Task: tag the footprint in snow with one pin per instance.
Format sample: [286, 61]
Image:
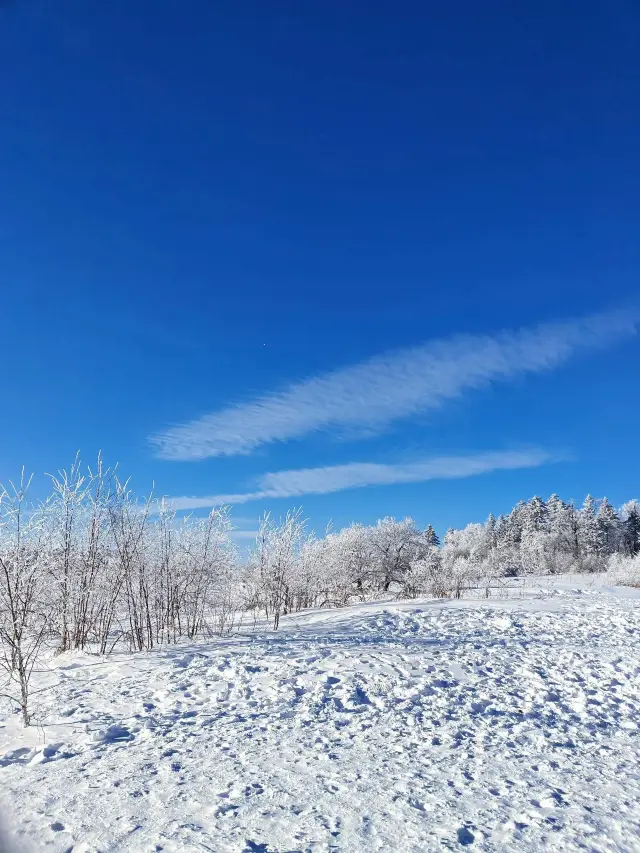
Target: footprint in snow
[113, 734]
[465, 837]
[17, 756]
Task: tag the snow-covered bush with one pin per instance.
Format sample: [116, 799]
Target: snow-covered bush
[624, 570]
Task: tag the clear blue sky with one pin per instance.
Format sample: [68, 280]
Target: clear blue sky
[202, 203]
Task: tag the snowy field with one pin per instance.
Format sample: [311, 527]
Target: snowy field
[507, 724]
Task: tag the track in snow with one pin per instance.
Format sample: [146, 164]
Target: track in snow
[499, 725]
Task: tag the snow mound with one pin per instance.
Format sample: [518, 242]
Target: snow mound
[428, 726]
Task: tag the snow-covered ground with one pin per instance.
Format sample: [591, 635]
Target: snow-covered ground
[506, 724]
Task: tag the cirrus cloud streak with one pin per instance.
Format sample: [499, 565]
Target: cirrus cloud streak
[370, 395]
[337, 478]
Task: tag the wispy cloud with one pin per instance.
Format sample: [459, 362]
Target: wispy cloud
[337, 478]
[387, 387]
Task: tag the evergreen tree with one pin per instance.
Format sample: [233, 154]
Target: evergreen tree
[563, 527]
[535, 514]
[492, 530]
[516, 522]
[588, 534]
[631, 529]
[432, 537]
[573, 523]
[508, 538]
[609, 528]
[555, 507]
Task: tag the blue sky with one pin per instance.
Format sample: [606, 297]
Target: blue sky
[282, 217]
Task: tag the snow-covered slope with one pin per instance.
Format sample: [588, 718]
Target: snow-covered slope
[494, 725]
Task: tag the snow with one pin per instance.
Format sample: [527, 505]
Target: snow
[510, 723]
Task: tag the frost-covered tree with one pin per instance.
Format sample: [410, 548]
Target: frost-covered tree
[492, 530]
[432, 538]
[589, 537]
[25, 603]
[64, 522]
[508, 537]
[609, 528]
[426, 577]
[463, 555]
[535, 515]
[352, 561]
[630, 534]
[395, 546]
[518, 518]
[562, 547]
[277, 561]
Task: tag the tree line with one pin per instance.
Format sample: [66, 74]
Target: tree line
[93, 567]
[291, 570]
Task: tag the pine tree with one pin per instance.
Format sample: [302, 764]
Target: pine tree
[573, 523]
[555, 507]
[588, 534]
[432, 537]
[508, 538]
[562, 533]
[631, 529]
[535, 514]
[516, 522]
[609, 528]
[491, 528]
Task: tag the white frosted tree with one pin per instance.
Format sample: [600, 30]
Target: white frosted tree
[64, 521]
[353, 554]
[630, 539]
[277, 560]
[395, 546]
[425, 576]
[508, 537]
[589, 537]
[25, 603]
[463, 558]
[563, 546]
[535, 515]
[609, 527]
